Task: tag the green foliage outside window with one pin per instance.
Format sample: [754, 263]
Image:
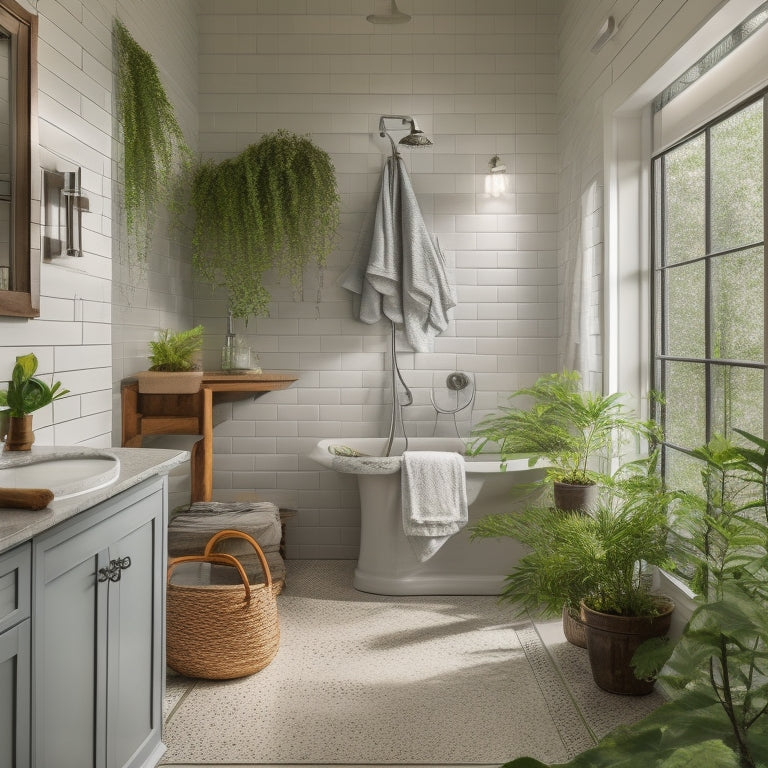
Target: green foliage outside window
[710, 287]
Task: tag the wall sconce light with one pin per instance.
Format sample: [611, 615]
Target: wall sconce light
[62, 205]
[496, 180]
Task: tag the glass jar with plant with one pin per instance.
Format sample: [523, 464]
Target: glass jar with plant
[25, 394]
[576, 433]
[274, 206]
[173, 367]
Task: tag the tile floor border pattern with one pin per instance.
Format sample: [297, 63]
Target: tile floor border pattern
[566, 713]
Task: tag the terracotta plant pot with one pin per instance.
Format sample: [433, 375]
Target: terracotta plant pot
[612, 641]
[20, 435]
[574, 498]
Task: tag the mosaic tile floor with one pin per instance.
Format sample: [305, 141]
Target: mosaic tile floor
[370, 680]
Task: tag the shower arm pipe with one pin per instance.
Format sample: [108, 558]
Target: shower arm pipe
[404, 120]
[397, 409]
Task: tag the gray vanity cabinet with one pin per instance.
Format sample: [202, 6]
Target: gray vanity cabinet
[98, 658]
[15, 592]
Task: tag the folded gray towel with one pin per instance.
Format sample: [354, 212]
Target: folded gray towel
[189, 530]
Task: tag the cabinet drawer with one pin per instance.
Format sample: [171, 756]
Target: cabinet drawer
[15, 585]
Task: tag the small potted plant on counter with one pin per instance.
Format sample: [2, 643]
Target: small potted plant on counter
[25, 394]
[571, 430]
[173, 368]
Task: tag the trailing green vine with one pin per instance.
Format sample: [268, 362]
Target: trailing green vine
[154, 145]
[276, 205]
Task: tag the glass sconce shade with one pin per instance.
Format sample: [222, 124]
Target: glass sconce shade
[496, 181]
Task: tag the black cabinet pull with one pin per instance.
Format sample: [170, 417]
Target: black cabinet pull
[114, 571]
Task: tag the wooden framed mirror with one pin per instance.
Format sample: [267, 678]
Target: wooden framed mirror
[19, 260]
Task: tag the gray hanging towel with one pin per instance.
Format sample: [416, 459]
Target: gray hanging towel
[399, 271]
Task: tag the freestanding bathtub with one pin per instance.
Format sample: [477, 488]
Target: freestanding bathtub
[386, 563]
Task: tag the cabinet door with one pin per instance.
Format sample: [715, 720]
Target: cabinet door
[135, 640]
[14, 696]
[69, 670]
[97, 646]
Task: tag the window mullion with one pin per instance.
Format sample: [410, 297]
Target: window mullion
[708, 340]
[658, 292]
[765, 271]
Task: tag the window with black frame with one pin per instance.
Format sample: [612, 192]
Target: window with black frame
[709, 286]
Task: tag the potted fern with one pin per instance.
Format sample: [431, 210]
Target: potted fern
[714, 673]
[573, 431]
[25, 394]
[274, 206]
[595, 564]
[173, 368]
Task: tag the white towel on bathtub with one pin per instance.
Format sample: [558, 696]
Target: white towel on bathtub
[434, 499]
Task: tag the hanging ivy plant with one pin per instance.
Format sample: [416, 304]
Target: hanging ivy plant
[154, 145]
[276, 205]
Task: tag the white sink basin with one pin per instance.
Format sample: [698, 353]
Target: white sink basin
[65, 476]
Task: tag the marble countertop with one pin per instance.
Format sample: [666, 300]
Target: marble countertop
[136, 465]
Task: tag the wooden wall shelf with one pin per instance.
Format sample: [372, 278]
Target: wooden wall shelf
[167, 414]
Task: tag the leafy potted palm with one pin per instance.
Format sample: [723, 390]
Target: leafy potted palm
[25, 394]
[594, 565]
[717, 715]
[173, 368]
[571, 430]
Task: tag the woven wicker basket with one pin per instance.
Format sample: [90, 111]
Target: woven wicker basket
[221, 631]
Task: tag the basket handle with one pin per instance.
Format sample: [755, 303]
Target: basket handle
[229, 533]
[222, 558]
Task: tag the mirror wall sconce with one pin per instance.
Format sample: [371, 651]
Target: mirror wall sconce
[62, 206]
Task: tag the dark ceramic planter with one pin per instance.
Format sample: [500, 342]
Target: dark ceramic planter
[575, 498]
[573, 628]
[612, 642]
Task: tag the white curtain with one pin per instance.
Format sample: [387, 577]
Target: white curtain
[580, 334]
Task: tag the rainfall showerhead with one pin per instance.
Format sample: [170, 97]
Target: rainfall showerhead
[395, 16]
[415, 137]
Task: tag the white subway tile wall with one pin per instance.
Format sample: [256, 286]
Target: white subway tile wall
[158, 294]
[479, 76]
[74, 338]
[648, 34]
[483, 77]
